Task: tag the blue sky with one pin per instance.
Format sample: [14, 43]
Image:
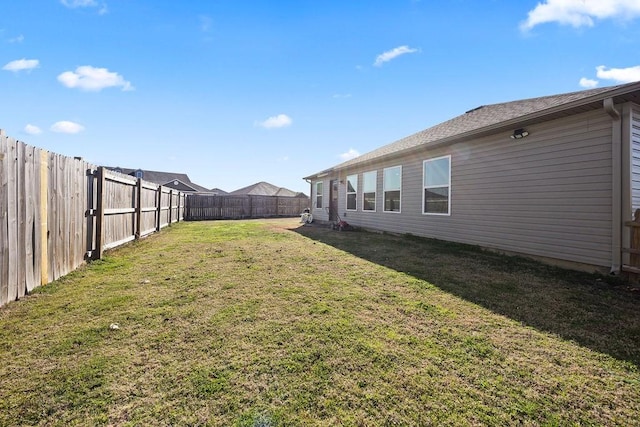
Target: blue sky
[235, 92]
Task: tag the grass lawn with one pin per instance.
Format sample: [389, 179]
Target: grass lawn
[267, 323]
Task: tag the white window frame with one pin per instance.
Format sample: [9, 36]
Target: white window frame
[365, 192]
[354, 179]
[425, 186]
[319, 195]
[385, 189]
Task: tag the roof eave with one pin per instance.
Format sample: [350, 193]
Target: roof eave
[525, 120]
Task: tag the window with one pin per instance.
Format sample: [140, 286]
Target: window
[319, 195]
[369, 181]
[391, 187]
[352, 192]
[437, 186]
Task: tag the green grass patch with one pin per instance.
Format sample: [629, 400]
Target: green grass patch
[268, 323]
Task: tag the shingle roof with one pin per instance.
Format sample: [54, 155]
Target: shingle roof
[490, 118]
[218, 191]
[264, 189]
[185, 186]
[165, 178]
[155, 176]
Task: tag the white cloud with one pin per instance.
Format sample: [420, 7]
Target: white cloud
[588, 83]
[72, 4]
[351, 154]
[619, 75]
[18, 39]
[578, 13]
[279, 121]
[341, 95]
[32, 129]
[205, 23]
[393, 53]
[90, 78]
[67, 127]
[22, 64]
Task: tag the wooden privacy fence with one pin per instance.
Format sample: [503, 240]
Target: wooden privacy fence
[632, 267]
[58, 211]
[127, 208]
[206, 207]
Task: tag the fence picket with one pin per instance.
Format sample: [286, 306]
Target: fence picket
[12, 225]
[4, 219]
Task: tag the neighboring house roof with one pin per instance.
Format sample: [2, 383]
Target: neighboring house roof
[492, 118]
[184, 186]
[178, 181]
[218, 191]
[155, 176]
[265, 189]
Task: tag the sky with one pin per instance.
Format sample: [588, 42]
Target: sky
[236, 92]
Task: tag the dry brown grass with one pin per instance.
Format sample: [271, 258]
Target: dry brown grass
[269, 323]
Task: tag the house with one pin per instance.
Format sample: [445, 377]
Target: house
[177, 181]
[265, 189]
[554, 177]
[218, 192]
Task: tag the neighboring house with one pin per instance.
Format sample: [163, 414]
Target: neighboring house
[553, 177]
[265, 189]
[260, 200]
[177, 181]
[217, 192]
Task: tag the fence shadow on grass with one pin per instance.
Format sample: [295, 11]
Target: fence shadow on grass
[594, 311]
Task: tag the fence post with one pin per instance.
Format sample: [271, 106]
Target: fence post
[185, 216]
[178, 209]
[170, 206]
[97, 254]
[158, 207]
[138, 208]
[90, 213]
[634, 258]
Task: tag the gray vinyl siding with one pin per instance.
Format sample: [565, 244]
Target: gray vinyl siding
[546, 195]
[635, 158]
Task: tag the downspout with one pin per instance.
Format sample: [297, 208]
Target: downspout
[308, 181]
[616, 181]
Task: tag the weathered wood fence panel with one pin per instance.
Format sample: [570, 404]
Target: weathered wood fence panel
[21, 228]
[632, 267]
[56, 212]
[177, 206]
[129, 208]
[208, 207]
[148, 217]
[120, 201]
[65, 203]
[4, 219]
[164, 207]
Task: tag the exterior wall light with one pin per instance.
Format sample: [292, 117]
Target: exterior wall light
[519, 134]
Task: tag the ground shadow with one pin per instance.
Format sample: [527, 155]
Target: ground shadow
[595, 311]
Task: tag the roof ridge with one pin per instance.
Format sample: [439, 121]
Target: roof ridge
[491, 117]
[583, 94]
